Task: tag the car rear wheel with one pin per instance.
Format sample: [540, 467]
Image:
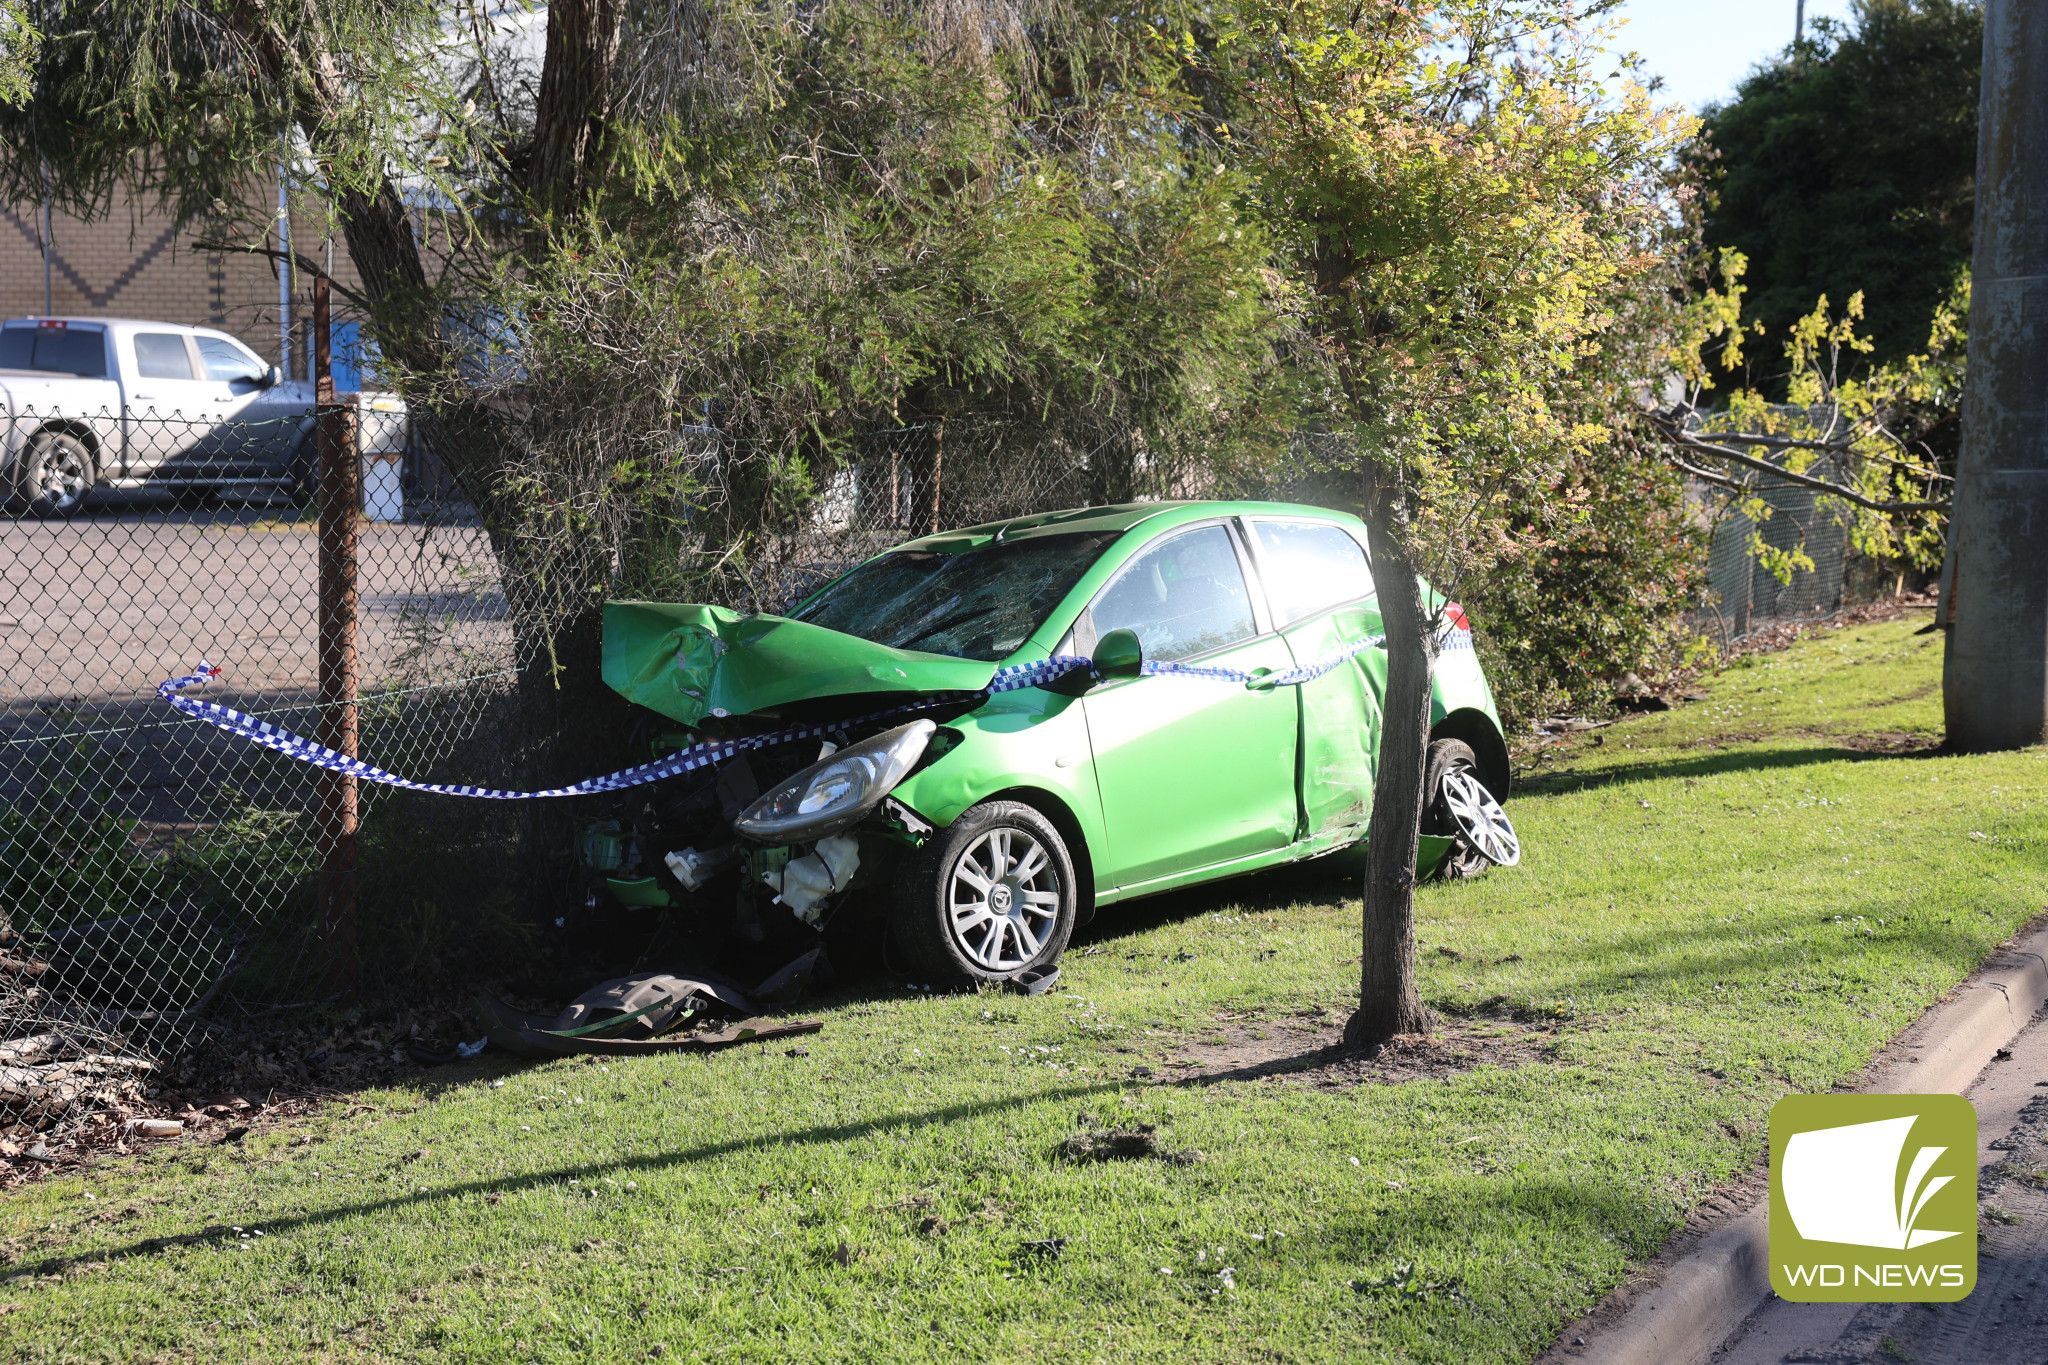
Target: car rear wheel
[55, 474]
[1457, 805]
[989, 898]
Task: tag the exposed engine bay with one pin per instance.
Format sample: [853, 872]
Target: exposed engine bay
[751, 863]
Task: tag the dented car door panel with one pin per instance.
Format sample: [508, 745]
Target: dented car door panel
[1340, 723]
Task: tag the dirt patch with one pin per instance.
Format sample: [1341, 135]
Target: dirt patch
[1896, 744]
[1893, 743]
[1125, 1144]
[1782, 636]
[1317, 1056]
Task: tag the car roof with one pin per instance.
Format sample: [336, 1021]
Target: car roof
[70, 321]
[1119, 517]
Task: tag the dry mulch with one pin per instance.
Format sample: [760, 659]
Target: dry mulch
[1783, 636]
[238, 1077]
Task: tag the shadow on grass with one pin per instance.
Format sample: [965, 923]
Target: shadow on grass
[1592, 1203]
[823, 1133]
[1846, 749]
[1316, 882]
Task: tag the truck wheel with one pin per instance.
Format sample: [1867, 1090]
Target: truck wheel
[989, 898]
[305, 487]
[55, 474]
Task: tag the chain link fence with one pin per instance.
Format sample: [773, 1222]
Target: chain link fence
[1745, 596]
[152, 867]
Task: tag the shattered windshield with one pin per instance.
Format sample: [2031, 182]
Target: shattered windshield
[977, 604]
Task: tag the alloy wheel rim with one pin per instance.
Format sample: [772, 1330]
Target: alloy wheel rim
[63, 478]
[1480, 819]
[1002, 899]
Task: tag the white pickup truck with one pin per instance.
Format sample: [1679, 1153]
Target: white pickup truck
[108, 402]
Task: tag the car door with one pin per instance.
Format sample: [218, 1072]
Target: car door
[1192, 771]
[256, 432]
[1320, 588]
[167, 403]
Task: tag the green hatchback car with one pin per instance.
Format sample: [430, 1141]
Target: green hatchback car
[940, 753]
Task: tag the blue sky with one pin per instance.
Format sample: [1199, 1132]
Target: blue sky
[1703, 47]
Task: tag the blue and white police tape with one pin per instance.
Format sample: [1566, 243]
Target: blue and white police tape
[699, 755]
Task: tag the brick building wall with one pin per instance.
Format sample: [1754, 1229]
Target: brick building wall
[136, 263]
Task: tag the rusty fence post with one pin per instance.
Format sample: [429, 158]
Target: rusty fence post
[340, 504]
[938, 472]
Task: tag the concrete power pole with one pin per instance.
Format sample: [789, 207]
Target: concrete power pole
[1995, 676]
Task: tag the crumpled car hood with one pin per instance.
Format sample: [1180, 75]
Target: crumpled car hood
[691, 661]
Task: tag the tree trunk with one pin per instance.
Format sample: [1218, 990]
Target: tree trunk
[386, 255]
[1388, 1003]
[574, 98]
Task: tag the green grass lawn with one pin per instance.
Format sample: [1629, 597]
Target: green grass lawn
[1719, 905]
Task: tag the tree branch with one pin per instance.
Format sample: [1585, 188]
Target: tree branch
[1686, 441]
[293, 259]
[1708, 476]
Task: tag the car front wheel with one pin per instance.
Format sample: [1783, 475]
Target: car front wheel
[989, 898]
[55, 475]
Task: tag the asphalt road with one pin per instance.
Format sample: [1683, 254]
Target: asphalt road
[101, 608]
[2004, 1321]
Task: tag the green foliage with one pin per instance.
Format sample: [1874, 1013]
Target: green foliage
[1885, 436]
[1607, 561]
[21, 43]
[873, 226]
[1846, 164]
[191, 102]
[60, 846]
[1466, 210]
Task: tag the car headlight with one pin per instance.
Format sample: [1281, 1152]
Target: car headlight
[836, 792]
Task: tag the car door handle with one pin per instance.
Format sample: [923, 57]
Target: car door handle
[143, 397]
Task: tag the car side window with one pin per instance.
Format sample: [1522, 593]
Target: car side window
[162, 355]
[1309, 566]
[1182, 597]
[228, 363]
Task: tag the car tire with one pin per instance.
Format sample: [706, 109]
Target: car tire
[990, 897]
[1449, 757]
[55, 474]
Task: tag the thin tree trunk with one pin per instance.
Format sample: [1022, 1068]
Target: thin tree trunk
[1388, 1002]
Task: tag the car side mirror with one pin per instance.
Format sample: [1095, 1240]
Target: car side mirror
[1118, 655]
[273, 377]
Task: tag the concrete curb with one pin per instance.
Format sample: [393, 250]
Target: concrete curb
[1703, 1297]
